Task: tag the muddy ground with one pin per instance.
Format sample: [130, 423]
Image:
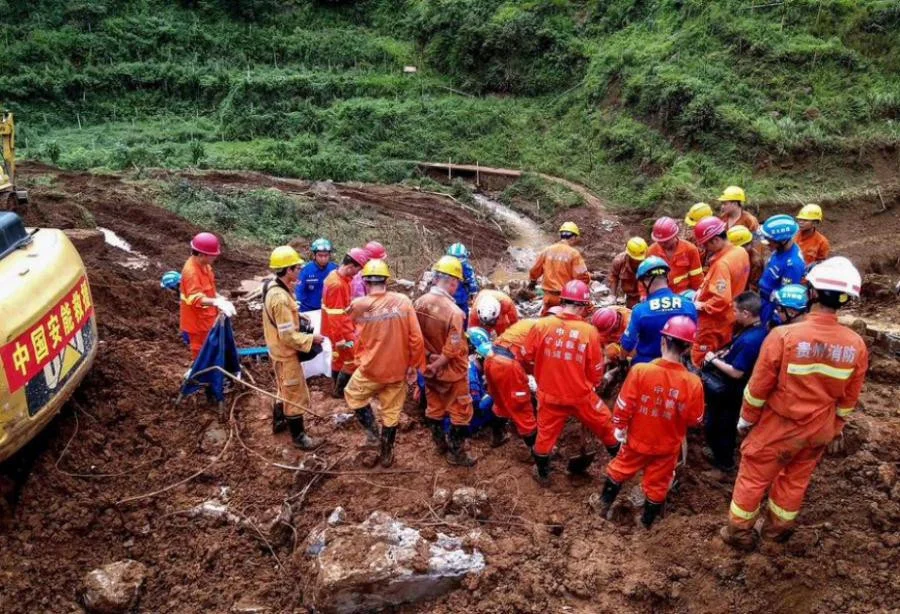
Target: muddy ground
[121, 437]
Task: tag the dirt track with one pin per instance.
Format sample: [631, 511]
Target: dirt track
[123, 437]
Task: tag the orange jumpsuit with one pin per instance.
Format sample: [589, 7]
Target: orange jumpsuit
[447, 391]
[757, 264]
[610, 341]
[806, 382]
[507, 383]
[685, 268]
[729, 269]
[659, 401]
[568, 365]
[815, 246]
[336, 324]
[623, 273]
[558, 264]
[196, 319]
[508, 313]
[746, 219]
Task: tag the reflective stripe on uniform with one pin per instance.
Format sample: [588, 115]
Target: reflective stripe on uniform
[818, 368]
[843, 412]
[680, 278]
[752, 400]
[334, 312]
[780, 511]
[737, 511]
[286, 326]
[190, 300]
[696, 272]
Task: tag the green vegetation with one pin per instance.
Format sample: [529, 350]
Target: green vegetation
[645, 101]
[538, 198]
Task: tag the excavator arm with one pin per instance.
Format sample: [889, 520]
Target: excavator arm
[10, 196]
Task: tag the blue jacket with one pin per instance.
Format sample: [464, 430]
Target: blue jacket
[647, 319]
[787, 267]
[467, 287]
[310, 284]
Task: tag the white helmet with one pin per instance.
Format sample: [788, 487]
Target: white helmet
[488, 310]
[837, 274]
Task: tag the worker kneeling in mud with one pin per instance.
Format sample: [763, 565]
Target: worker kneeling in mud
[659, 401]
[389, 352]
[285, 342]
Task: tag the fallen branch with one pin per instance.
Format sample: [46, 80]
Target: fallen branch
[353, 472]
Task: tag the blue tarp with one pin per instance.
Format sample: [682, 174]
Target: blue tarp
[219, 350]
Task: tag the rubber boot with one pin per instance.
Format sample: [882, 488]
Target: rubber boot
[457, 453]
[651, 511]
[541, 469]
[613, 450]
[388, 435]
[499, 436]
[608, 496]
[279, 422]
[770, 530]
[298, 434]
[367, 419]
[530, 439]
[340, 382]
[741, 539]
[579, 465]
[437, 434]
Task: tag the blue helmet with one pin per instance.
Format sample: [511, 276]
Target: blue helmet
[689, 295]
[480, 340]
[458, 250]
[779, 228]
[321, 245]
[171, 280]
[792, 296]
[652, 265]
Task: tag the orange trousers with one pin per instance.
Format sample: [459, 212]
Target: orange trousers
[711, 337]
[508, 385]
[659, 471]
[551, 299]
[784, 474]
[342, 359]
[451, 398]
[591, 412]
[196, 341]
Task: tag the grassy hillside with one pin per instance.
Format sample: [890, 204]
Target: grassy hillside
[646, 101]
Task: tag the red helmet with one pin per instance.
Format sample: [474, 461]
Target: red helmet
[359, 255]
[376, 250]
[707, 228]
[664, 229]
[680, 327]
[576, 291]
[206, 243]
[604, 320]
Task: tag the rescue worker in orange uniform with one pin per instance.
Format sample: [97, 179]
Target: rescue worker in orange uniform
[494, 311]
[813, 244]
[806, 383]
[336, 324]
[200, 303]
[729, 268]
[447, 356]
[683, 258]
[568, 366]
[697, 212]
[740, 236]
[611, 323]
[281, 327]
[623, 271]
[659, 401]
[733, 213]
[557, 265]
[389, 351]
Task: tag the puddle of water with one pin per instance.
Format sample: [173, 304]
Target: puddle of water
[137, 259]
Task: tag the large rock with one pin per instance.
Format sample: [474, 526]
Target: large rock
[382, 562]
[114, 588]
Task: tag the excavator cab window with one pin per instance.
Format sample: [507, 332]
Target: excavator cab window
[12, 234]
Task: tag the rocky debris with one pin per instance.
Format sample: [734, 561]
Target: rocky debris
[887, 473]
[878, 287]
[382, 562]
[87, 240]
[113, 588]
[248, 606]
[532, 308]
[425, 281]
[276, 525]
[406, 284]
[470, 501]
[213, 439]
[336, 517]
[522, 257]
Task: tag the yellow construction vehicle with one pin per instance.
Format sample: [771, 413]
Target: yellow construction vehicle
[10, 196]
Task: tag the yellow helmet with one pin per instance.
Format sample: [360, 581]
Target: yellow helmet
[636, 248]
[739, 235]
[376, 268]
[696, 213]
[733, 193]
[284, 256]
[571, 227]
[448, 265]
[810, 212]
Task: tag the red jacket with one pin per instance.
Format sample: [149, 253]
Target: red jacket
[336, 324]
[685, 268]
[508, 313]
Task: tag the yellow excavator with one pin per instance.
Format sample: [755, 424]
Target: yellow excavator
[48, 332]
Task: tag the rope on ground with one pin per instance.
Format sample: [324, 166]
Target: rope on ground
[352, 472]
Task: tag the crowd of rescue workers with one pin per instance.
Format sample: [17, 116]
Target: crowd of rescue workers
[730, 326]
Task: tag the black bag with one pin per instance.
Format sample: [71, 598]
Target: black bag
[715, 382]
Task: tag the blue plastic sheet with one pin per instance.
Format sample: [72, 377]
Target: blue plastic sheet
[219, 350]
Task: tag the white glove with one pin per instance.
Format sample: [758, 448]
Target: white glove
[225, 306]
[743, 426]
[621, 435]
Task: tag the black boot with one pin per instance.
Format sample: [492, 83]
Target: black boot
[541, 469]
[279, 422]
[437, 434]
[651, 511]
[608, 495]
[340, 382]
[299, 436]
[499, 436]
[457, 453]
[367, 419]
[388, 435]
[530, 439]
[613, 450]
